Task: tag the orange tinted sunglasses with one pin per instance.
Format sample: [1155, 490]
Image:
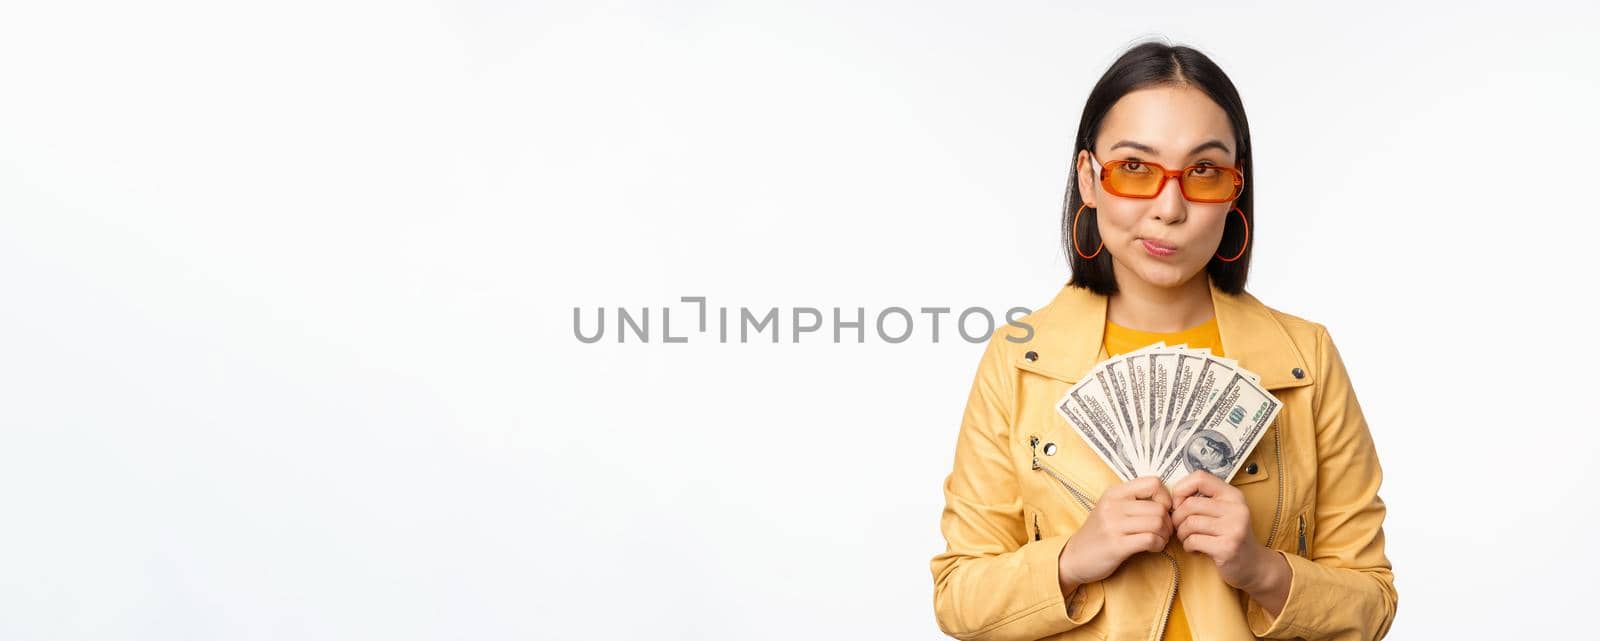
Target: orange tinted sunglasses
[1140, 179]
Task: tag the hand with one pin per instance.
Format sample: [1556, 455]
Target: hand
[1212, 518]
[1132, 517]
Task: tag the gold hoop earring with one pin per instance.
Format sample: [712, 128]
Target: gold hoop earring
[1074, 234]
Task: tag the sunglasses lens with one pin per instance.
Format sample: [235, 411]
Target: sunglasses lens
[1207, 183]
[1135, 179]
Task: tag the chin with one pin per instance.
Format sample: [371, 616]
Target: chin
[1163, 275]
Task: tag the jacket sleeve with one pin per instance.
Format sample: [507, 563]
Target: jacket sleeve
[992, 581]
[1344, 588]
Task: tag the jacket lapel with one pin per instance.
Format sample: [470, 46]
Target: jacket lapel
[1069, 338]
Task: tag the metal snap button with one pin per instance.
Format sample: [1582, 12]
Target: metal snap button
[1032, 356]
[1298, 373]
[1049, 449]
[1251, 468]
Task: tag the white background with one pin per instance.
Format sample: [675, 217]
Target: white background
[286, 345]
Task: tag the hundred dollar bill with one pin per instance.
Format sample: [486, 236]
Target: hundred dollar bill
[1138, 381]
[1162, 365]
[1087, 415]
[1231, 363]
[1167, 410]
[1113, 377]
[1186, 372]
[1228, 430]
[1089, 411]
[1207, 386]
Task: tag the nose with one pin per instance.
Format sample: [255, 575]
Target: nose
[1169, 206]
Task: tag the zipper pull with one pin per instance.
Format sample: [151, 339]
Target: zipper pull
[1034, 441]
[1036, 526]
[1302, 535]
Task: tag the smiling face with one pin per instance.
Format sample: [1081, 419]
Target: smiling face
[1165, 240]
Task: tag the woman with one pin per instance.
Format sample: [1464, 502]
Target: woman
[1043, 539]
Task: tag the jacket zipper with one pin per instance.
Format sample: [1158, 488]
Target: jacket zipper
[1302, 535]
[1277, 513]
[1166, 615]
[1033, 441]
[1079, 496]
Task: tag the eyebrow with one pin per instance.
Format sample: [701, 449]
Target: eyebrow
[1209, 144]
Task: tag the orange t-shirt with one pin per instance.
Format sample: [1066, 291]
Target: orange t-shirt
[1121, 340]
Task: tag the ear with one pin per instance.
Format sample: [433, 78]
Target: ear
[1084, 173]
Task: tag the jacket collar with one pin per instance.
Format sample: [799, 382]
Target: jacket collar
[1069, 337]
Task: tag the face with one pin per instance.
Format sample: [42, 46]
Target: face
[1206, 452]
[1166, 240]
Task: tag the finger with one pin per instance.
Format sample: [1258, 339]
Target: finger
[1159, 543]
[1206, 544]
[1157, 503]
[1190, 506]
[1144, 487]
[1197, 505]
[1162, 496]
[1228, 493]
[1137, 524]
[1185, 487]
[1120, 492]
[1150, 488]
[1198, 524]
[1142, 508]
[1213, 486]
[1144, 542]
[1197, 482]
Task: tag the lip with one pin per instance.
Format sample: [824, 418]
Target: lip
[1157, 247]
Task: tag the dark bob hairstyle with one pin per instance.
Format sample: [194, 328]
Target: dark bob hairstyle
[1156, 64]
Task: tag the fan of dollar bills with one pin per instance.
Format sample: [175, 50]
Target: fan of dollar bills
[1167, 411]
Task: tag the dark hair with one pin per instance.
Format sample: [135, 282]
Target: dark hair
[1156, 64]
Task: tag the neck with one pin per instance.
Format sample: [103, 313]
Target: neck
[1141, 305]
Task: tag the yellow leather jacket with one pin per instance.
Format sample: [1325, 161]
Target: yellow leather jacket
[1311, 485]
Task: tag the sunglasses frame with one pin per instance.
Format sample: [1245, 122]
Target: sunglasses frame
[1103, 170]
